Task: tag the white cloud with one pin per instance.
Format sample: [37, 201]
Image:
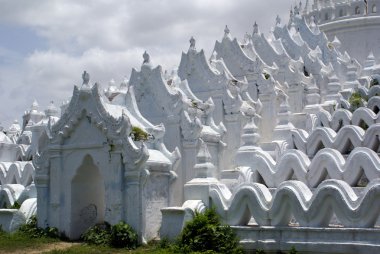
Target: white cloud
[107, 38]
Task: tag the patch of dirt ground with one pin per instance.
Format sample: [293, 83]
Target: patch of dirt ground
[45, 248]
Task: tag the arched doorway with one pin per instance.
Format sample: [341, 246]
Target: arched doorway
[87, 198]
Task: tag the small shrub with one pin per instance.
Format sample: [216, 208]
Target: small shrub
[206, 233]
[31, 229]
[15, 205]
[356, 101]
[120, 235]
[123, 236]
[266, 75]
[260, 251]
[138, 134]
[164, 243]
[99, 234]
[293, 250]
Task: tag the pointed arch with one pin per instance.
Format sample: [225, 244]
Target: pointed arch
[341, 13]
[87, 198]
[357, 10]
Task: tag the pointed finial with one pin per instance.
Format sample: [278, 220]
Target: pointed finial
[204, 167]
[371, 56]
[336, 42]
[255, 28]
[111, 82]
[51, 110]
[226, 30]
[247, 38]
[192, 43]
[306, 7]
[296, 10]
[146, 57]
[312, 20]
[214, 56]
[34, 105]
[278, 20]
[250, 136]
[86, 78]
[124, 83]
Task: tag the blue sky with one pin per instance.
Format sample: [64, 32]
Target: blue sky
[45, 45]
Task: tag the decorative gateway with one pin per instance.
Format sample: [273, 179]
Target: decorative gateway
[90, 169]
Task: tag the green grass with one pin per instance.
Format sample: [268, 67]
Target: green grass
[84, 248]
[19, 241]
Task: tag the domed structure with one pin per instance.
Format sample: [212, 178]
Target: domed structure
[355, 22]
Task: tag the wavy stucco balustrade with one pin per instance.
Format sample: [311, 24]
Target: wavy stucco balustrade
[370, 92]
[19, 172]
[327, 163]
[342, 117]
[295, 199]
[345, 140]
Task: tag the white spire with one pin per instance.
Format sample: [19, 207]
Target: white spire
[204, 167]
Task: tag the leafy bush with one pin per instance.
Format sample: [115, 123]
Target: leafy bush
[293, 250]
[123, 236]
[100, 234]
[206, 233]
[164, 243]
[31, 229]
[120, 235]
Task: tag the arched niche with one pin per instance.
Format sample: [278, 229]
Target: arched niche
[341, 13]
[326, 16]
[374, 8]
[357, 10]
[87, 198]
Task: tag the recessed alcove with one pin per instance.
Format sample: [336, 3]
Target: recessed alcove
[87, 198]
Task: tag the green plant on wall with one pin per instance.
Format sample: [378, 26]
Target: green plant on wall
[138, 134]
[356, 101]
[15, 205]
